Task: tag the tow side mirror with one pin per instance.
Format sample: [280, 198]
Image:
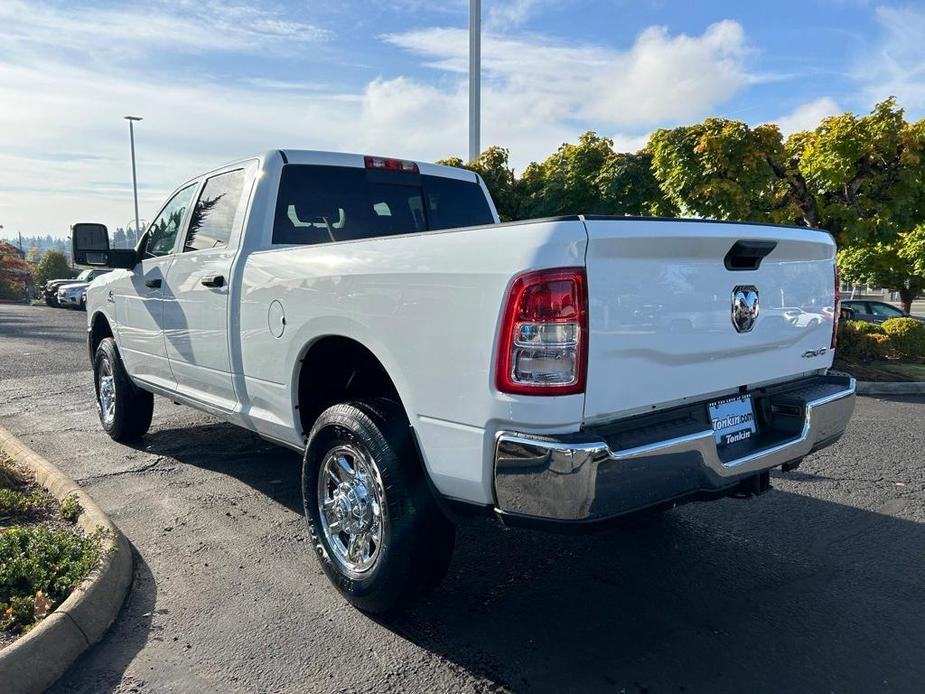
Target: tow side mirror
[90, 246]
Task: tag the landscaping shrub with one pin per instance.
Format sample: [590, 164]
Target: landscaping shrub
[868, 328]
[907, 338]
[884, 346]
[42, 556]
[15, 503]
[11, 476]
[857, 344]
[38, 560]
[71, 509]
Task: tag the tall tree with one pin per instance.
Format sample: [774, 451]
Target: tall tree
[723, 169]
[860, 177]
[867, 174]
[590, 177]
[15, 272]
[867, 177]
[52, 266]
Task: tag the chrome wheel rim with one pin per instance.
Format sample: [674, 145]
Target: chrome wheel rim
[351, 504]
[107, 392]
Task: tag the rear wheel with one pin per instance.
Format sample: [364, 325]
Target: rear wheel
[376, 530]
[125, 409]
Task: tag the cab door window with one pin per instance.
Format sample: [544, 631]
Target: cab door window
[217, 213]
[162, 232]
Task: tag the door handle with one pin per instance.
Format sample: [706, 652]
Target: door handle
[213, 281]
[153, 284]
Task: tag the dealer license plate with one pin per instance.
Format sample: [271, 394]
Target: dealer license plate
[733, 419]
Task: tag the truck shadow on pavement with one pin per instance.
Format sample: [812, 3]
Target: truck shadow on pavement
[130, 632]
[783, 592]
[230, 450]
[778, 593]
[34, 328]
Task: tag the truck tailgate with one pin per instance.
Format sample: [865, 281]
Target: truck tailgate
[661, 323]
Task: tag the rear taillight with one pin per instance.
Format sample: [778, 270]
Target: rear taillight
[837, 307]
[390, 164]
[543, 346]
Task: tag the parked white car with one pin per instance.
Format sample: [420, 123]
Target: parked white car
[72, 295]
[432, 363]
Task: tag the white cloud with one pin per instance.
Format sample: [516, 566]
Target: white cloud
[508, 13]
[660, 79]
[897, 66]
[66, 82]
[184, 26]
[808, 116]
[629, 143]
[665, 78]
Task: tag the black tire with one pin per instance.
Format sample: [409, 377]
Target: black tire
[417, 539]
[48, 301]
[132, 407]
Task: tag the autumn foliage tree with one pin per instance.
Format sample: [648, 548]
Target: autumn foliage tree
[15, 273]
[722, 169]
[588, 177]
[860, 177]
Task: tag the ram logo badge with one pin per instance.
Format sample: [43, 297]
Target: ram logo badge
[744, 308]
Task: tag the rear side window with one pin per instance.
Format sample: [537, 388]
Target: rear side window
[452, 203]
[321, 204]
[216, 212]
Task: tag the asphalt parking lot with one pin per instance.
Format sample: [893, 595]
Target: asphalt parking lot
[816, 586]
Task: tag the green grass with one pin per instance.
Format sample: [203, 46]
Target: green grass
[889, 371]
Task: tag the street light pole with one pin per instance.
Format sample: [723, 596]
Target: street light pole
[475, 77]
[131, 134]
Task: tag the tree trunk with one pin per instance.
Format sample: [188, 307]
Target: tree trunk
[906, 296]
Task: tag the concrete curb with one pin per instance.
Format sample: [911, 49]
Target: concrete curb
[886, 388]
[35, 661]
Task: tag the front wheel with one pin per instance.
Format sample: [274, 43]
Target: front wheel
[376, 529]
[125, 409]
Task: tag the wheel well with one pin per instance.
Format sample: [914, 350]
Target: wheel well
[336, 369]
[99, 330]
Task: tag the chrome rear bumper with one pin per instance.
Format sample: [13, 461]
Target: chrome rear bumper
[582, 477]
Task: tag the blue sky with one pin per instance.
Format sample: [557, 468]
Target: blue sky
[218, 79]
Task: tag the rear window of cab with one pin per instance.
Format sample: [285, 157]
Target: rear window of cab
[323, 204]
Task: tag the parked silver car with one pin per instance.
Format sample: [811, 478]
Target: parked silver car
[74, 294]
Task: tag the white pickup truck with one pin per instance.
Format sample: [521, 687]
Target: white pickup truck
[432, 363]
